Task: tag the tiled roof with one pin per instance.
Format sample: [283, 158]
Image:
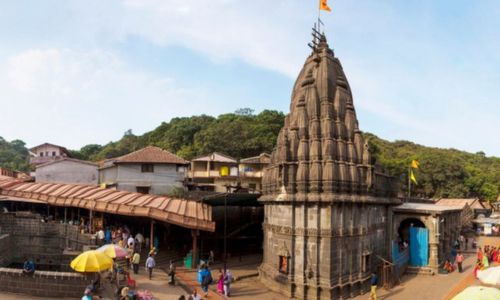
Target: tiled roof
[151, 154]
[217, 157]
[48, 144]
[181, 212]
[460, 202]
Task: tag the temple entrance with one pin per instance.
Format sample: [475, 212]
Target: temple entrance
[414, 235]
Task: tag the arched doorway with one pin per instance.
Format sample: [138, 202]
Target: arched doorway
[413, 233]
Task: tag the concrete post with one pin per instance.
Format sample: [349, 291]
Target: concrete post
[194, 234]
[151, 234]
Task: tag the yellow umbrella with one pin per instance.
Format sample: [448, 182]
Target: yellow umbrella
[91, 261]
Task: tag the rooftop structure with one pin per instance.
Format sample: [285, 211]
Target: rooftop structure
[47, 152]
[150, 170]
[181, 212]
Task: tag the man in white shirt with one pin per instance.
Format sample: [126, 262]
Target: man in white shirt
[100, 237]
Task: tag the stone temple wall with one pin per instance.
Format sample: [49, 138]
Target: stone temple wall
[331, 248]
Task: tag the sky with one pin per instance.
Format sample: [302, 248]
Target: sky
[80, 72]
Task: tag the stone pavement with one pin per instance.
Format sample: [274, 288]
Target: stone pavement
[424, 287]
[158, 285]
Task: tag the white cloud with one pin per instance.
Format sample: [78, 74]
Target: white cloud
[73, 95]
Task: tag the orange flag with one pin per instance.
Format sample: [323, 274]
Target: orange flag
[323, 5]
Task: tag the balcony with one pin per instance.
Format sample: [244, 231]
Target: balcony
[251, 174]
[210, 174]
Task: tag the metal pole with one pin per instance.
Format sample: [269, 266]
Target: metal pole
[225, 227]
[409, 183]
[65, 214]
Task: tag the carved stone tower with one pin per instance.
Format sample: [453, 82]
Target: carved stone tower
[326, 207]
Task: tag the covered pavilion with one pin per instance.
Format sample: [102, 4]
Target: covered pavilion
[184, 213]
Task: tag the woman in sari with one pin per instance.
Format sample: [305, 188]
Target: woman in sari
[485, 262]
[477, 267]
[220, 282]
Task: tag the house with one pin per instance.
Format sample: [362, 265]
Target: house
[68, 170]
[150, 170]
[47, 152]
[466, 214]
[214, 172]
[251, 170]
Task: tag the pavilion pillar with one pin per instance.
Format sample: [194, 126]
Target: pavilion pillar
[65, 215]
[151, 234]
[90, 221]
[195, 234]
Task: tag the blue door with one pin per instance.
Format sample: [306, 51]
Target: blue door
[419, 246]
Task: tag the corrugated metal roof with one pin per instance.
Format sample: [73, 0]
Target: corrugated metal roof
[182, 212]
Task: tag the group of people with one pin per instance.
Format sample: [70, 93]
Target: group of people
[485, 257]
[224, 280]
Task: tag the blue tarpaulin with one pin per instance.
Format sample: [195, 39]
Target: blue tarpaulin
[419, 246]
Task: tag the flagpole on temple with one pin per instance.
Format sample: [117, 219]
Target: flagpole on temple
[409, 183]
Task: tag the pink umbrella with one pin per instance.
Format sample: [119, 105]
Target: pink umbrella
[113, 251]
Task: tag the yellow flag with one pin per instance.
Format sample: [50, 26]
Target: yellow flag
[323, 5]
[412, 177]
[415, 164]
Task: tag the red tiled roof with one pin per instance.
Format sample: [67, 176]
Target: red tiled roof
[151, 154]
[181, 212]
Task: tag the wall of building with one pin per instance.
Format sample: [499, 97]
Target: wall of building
[44, 283]
[44, 242]
[161, 181]
[67, 171]
[5, 251]
[333, 246]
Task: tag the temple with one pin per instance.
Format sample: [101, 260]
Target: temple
[326, 205]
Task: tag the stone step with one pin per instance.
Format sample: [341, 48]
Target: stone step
[419, 270]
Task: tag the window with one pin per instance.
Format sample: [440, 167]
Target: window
[283, 267]
[365, 263]
[53, 153]
[41, 154]
[252, 186]
[147, 168]
[143, 189]
[181, 169]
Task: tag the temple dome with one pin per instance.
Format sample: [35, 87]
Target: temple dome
[320, 149]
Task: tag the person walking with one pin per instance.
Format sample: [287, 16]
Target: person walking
[150, 264]
[374, 283]
[459, 259]
[204, 278]
[171, 273]
[135, 262]
[228, 278]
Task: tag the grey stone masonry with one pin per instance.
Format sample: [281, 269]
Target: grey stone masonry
[44, 283]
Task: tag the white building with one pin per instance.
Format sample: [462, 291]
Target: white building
[47, 152]
[68, 170]
[150, 170]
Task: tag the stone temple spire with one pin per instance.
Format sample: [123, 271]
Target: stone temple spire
[320, 149]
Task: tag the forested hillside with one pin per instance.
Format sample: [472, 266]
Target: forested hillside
[442, 173]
